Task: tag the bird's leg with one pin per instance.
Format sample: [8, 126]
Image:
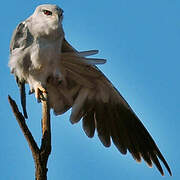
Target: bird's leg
[37, 86]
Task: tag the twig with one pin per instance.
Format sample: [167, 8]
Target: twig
[40, 155]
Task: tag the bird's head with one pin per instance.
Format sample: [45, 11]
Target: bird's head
[47, 19]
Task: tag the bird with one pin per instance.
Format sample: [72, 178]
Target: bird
[41, 56]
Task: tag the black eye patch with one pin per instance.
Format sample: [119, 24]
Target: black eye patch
[60, 15]
[48, 13]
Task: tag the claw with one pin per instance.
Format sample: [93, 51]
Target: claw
[39, 91]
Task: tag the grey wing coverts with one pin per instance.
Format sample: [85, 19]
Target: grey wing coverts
[88, 93]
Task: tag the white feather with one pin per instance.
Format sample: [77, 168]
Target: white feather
[87, 53]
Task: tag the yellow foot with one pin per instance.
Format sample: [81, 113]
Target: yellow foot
[39, 93]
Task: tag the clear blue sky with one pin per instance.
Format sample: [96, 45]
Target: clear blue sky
[141, 41]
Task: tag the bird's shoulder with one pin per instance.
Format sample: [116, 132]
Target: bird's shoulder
[21, 37]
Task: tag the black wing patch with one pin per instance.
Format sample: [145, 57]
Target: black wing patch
[21, 37]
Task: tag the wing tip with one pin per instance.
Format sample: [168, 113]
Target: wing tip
[160, 156]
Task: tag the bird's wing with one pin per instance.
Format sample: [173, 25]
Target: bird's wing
[100, 106]
[21, 39]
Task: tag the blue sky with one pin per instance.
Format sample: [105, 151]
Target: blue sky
[141, 41]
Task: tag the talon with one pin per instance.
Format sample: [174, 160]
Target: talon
[39, 91]
[43, 90]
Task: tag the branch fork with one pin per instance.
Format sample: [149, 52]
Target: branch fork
[40, 155]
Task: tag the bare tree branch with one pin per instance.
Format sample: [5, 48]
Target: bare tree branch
[40, 155]
[22, 123]
[45, 150]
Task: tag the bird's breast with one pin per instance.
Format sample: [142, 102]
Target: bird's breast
[45, 53]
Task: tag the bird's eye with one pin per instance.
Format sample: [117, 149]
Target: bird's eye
[48, 13]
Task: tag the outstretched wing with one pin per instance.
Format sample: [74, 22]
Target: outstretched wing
[21, 39]
[101, 107]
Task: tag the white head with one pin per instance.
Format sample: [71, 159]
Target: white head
[46, 20]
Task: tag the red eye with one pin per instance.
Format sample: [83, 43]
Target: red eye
[46, 12]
